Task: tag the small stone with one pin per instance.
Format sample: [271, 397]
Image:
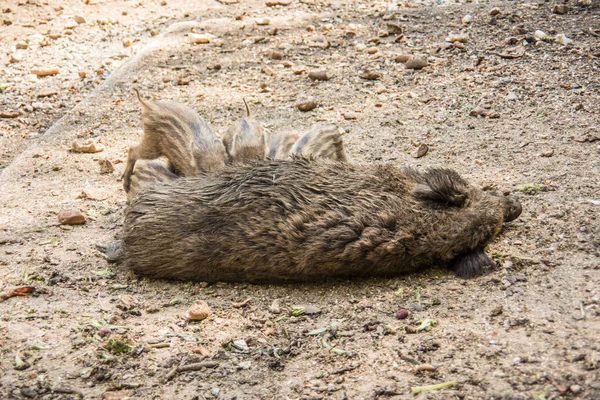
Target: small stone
[240, 345]
[307, 106]
[14, 58]
[9, 114]
[402, 313]
[268, 70]
[183, 80]
[457, 37]
[563, 39]
[402, 58]
[393, 29]
[549, 152]
[540, 35]
[71, 216]
[421, 151]
[417, 62]
[276, 55]
[79, 19]
[106, 166]
[153, 32]
[275, 308]
[350, 116]
[262, 21]
[310, 310]
[560, 9]
[360, 46]
[320, 75]
[47, 93]
[71, 25]
[298, 70]
[22, 45]
[82, 74]
[370, 75]
[310, 28]
[372, 50]
[273, 3]
[511, 96]
[126, 42]
[467, 19]
[199, 311]
[575, 388]
[200, 39]
[215, 392]
[326, 27]
[44, 71]
[89, 147]
[495, 11]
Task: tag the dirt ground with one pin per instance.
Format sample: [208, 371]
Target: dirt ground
[505, 107]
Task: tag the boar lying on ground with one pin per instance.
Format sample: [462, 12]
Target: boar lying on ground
[178, 133]
[301, 220]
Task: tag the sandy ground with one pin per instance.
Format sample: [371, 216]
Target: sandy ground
[504, 108]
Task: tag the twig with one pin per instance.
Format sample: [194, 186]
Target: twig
[345, 369]
[190, 367]
[66, 390]
[419, 389]
[510, 56]
[593, 32]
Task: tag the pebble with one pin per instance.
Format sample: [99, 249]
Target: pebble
[126, 42]
[360, 46]
[393, 29]
[89, 147]
[563, 39]
[307, 106]
[575, 388]
[262, 21]
[199, 311]
[200, 38]
[79, 19]
[22, 45]
[350, 116]
[540, 35]
[560, 9]
[416, 62]
[402, 58]
[549, 152]
[47, 93]
[495, 11]
[421, 151]
[71, 24]
[320, 75]
[457, 37]
[153, 32]
[44, 71]
[14, 58]
[372, 50]
[370, 75]
[401, 314]
[240, 345]
[276, 55]
[467, 19]
[82, 74]
[106, 167]
[71, 216]
[272, 3]
[424, 367]
[275, 308]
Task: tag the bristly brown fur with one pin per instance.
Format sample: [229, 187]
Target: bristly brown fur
[245, 140]
[280, 145]
[321, 141]
[178, 133]
[148, 173]
[300, 220]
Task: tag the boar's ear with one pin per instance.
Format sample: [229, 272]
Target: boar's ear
[442, 186]
[472, 263]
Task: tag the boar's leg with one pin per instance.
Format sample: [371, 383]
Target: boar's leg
[472, 263]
